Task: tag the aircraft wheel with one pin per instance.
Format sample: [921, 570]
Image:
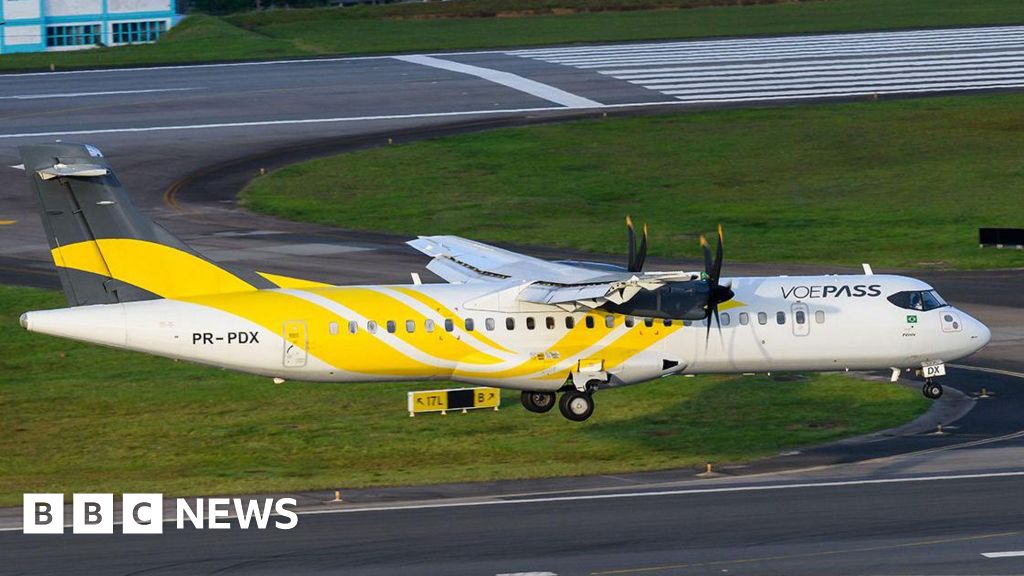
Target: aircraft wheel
[576, 406]
[539, 402]
[931, 390]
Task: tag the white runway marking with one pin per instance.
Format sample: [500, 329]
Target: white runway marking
[681, 492]
[807, 67]
[514, 81]
[1011, 554]
[989, 370]
[84, 94]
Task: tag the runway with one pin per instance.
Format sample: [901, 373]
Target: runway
[184, 139]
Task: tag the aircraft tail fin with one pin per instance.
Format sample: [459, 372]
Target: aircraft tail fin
[105, 250]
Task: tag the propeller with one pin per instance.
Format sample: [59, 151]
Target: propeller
[636, 256]
[717, 293]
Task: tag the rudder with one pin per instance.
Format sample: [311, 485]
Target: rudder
[105, 250]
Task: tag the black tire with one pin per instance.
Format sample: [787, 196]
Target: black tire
[576, 406]
[539, 402]
[932, 390]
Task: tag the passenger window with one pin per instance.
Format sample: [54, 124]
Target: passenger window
[410, 326]
[687, 323]
[744, 318]
[725, 319]
[469, 325]
[590, 321]
[333, 328]
[449, 326]
[819, 316]
[353, 327]
[780, 317]
[428, 325]
[510, 323]
[371, 327]
[648, 322]
[630, 321]
[489, 324]
[530, 323]
[762, 318]
[667, 321]
[609, 321]
[800, 317]
[549, 323]
[570, 322]
[391, 326]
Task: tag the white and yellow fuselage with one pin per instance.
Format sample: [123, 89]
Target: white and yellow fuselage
[478, 333]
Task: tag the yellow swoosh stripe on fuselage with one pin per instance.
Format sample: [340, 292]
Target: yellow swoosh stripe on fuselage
[577, 341]
[447, 313]
[377, 306]
[360, 352]
[162, 270]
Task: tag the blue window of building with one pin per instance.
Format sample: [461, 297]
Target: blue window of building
[78, 35]
[138, 32]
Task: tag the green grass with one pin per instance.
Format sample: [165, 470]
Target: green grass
[78, 418]
[496, 23]
[898, 184]
[356, 31]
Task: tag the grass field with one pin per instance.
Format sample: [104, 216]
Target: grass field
[496, 23]
[78, 418]
[898, 184]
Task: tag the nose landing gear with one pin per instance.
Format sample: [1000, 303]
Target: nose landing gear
[931, 389]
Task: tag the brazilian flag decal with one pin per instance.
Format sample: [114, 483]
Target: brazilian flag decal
[911, 318]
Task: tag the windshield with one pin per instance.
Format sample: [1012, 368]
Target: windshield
[918, 300]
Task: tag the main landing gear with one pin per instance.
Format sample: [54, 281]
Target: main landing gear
[931, 389]
[539, 402]
[574, 405]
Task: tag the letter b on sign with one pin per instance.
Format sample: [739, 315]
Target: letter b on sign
[43, 514]
[93, 514]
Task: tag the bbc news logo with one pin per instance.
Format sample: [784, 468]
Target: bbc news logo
[144, 513]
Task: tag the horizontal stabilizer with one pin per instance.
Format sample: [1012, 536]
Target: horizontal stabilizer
[60, 170]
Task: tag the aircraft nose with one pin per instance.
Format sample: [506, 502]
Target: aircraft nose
[978, 333]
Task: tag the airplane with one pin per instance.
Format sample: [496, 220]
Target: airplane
[545, 328]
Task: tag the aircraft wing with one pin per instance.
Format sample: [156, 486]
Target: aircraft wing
[567, 284]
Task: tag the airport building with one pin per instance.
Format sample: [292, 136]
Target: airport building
[54, 25]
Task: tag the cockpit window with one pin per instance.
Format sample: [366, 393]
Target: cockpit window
[918, 300]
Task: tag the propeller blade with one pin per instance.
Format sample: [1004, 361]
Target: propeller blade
[641, 256]
[631, 254]
[707, 333]
[719, 253]
[707, 254]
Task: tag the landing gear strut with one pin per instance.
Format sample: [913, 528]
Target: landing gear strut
[575, 405]
[539, 402]
[931, 389]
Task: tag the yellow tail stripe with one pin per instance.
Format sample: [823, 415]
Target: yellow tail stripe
[160, 269]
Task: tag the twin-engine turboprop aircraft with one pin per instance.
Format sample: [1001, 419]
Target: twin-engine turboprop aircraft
[503, 319]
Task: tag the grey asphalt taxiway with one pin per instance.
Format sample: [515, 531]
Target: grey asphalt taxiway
[184, 139]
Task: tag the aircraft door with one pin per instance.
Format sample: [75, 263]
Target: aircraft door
[296, 343]
[801, 319]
